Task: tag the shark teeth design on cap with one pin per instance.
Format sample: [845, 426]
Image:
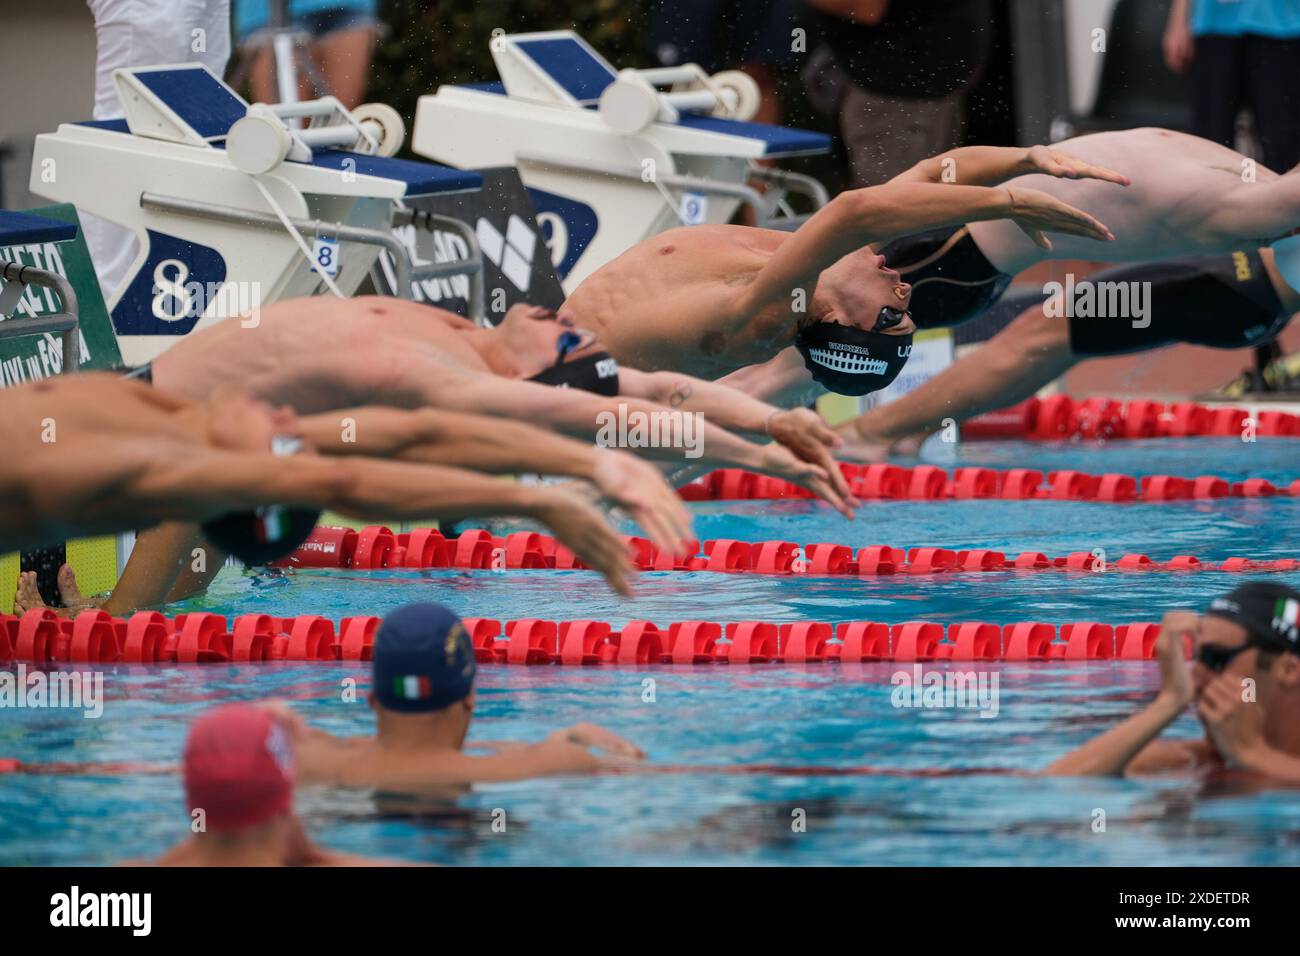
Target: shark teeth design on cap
[847, 362]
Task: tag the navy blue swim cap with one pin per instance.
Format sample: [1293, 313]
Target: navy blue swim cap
[423, 660]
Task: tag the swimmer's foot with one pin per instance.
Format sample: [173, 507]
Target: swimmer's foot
[28, 595]
[68, 589]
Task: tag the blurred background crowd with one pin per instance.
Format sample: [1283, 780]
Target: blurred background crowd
[896, 80]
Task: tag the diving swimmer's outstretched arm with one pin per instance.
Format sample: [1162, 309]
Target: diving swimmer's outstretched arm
[991, 165]
[586, 414]
[491, 445]
[801, 430]
[204, 484]
[876, 214]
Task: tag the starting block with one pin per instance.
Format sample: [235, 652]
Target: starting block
[237, 206]
[608, 157]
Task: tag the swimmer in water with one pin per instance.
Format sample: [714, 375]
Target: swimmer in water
[1244, 682]
[423, 698]
[239, 781]
[92, 453]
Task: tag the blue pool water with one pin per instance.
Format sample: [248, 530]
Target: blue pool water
[946, 788]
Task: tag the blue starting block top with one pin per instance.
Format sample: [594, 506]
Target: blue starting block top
[21, 229]
[209, 107]
[206, 104]
[578, 71]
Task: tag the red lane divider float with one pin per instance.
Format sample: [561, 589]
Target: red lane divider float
[1060, 417]
[378, 548]
[41, 638]
[926, 482]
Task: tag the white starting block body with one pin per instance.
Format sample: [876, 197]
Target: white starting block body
[211, 243]
[608, 159]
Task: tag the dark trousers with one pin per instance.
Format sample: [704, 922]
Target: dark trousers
[1229, 73]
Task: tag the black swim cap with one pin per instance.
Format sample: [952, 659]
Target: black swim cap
[423, 660]
[848, 360]
[597, 372]
[1269, 612]
[264, 534]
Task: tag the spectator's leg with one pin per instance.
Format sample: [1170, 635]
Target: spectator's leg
[1272, 69]
[1217, 88]
[344, 57]
[885, 135]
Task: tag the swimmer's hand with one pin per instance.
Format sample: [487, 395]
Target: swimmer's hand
[1044, 159]
[1175, 684]
[1038, 213]
[810, 439]
[583, 530]
[1235, 726]
[778, 462]
[598, 738]
[639, 488]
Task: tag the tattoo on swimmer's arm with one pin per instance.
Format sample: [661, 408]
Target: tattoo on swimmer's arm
[680, 394]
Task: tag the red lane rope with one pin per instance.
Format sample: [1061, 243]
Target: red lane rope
[1061, 417]
[42, 638]
[377, 547]
[928, 483]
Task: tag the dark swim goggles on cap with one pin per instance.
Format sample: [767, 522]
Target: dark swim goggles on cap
[850, 361]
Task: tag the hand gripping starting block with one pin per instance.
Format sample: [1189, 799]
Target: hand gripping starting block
[17, 229]
[237, 206]
[609, 158]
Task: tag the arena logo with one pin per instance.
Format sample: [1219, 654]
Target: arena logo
[636, 429]
[938, 690]
[76, 909]
[38, 690]
[1085, 299]
[511, 252]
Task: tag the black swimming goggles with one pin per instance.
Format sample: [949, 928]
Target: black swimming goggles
[1216, 657]
[889, 318]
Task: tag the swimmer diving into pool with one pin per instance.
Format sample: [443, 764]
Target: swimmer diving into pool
[1244, 682]
[422, 694]
[710, 300]
[1233, 300]
[383, 351]
[93, 453]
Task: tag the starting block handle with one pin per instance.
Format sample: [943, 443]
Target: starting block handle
[18, 277]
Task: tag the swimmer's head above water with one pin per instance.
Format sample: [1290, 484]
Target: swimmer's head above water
[238, 769]
[424, 665]
[1253, 632]
[859, 335]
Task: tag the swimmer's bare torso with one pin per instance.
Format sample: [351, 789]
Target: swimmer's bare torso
[649, 306]
[74, 444]
[1187, 196]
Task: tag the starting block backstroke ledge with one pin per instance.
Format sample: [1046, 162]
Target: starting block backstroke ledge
[235, 207]
[609, 158]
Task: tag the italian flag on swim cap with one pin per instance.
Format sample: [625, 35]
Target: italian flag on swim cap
[1286, 616]
[412, 688]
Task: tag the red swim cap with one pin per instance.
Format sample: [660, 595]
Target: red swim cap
[238, 767]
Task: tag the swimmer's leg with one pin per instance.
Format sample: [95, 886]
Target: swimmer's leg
[1013, 365]
[163, 568]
